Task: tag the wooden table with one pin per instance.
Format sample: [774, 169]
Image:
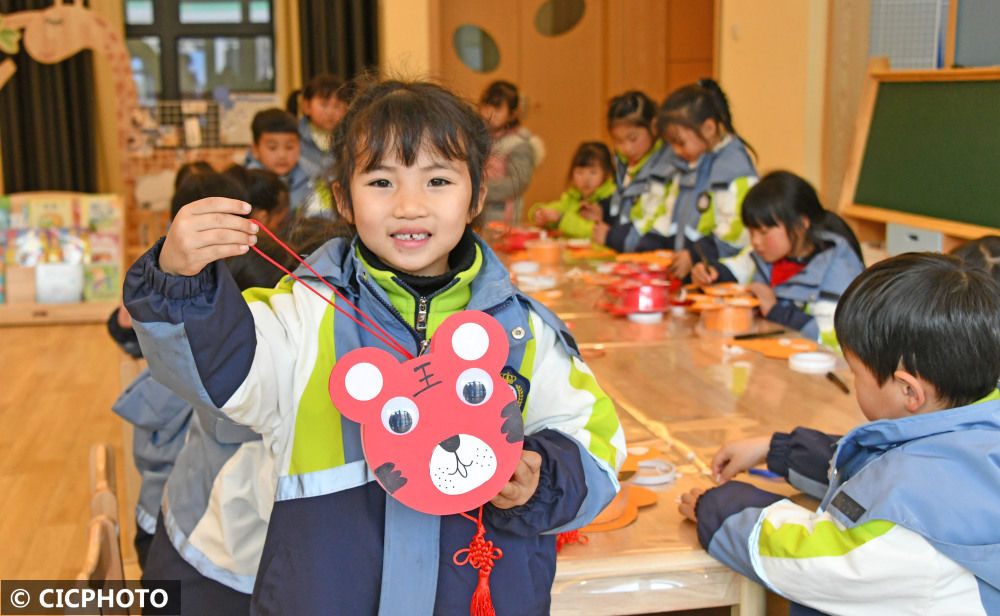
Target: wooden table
[679, 390]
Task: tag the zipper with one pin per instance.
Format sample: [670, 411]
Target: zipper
[417, 338]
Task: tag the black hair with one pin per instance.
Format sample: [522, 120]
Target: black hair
[781, 197]
[503, 93]
[633, 108]
[933, 315]
[323, 85]
[307, 234]
[208, 184]
[983, 253]
[196, 166]
[251, 270]
[266, 191]
[592, 153]
[691, 105]
[399, 117]
[273, 120]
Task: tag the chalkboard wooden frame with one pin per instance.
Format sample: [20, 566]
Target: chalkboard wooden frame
[868, 220]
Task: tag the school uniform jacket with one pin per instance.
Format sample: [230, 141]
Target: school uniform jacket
[571, 223]
[315, 161]
[807, 300]
[300, 184]
[639, 194]
[908, 523]
[705, 198]
[335, 543]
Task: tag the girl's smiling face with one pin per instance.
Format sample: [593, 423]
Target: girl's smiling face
[632, 142]
[413, 216]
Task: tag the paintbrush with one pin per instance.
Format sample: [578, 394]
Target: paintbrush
[833, 378]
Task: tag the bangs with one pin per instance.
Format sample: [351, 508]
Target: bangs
[758, 215]
[400, 125]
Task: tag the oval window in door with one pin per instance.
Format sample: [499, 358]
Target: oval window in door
[557, 17]
[476, 48]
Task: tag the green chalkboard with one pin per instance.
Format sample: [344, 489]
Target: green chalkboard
[933, 149]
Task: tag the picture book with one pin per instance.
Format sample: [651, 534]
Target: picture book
[50, 212]
[101, 282]
[102, 213]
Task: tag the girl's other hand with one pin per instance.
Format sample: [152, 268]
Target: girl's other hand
[591, 211]
[765, 295]
[689, 500]
[204, 231]
[546, 215]
[681, 265]
[523, 484]
[737, 456]
[600, 233]
[703, 275]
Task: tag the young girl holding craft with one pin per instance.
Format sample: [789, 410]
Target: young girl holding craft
[800, 259]
[591, 187]
[642, 171]
[410, 161]
[714, 172]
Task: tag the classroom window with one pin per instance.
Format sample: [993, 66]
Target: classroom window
[185, 49]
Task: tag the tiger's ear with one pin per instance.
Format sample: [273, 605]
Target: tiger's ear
[472, 336]
[359, 383]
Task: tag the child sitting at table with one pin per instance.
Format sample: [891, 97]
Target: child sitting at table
[591, 186]
[908, 521]
[800, 259]
[410, 160]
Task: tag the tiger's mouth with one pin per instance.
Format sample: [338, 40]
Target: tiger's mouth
[461, 463]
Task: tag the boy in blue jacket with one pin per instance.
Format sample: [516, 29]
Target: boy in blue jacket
[908, 518]
[410, 160]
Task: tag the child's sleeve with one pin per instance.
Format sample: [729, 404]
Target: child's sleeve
[572, 423]
[574, 225]
[803, 458]
[202, 341]
[812, 558]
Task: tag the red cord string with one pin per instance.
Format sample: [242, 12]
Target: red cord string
[381, 334]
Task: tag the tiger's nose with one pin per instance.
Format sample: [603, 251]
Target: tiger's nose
[450, 444]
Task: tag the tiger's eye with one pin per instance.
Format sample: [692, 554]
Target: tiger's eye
[400, 422]
[474, 392]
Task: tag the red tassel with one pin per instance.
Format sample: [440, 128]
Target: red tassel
[480, 554]
[570, 536]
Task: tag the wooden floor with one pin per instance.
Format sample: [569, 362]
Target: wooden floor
[58, 385]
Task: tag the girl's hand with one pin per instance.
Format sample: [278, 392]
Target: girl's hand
[600, 233]
[523, 484]
[703, 275]
[737, 456]
[591, 211]
[764, 294]
[544, 215]
[688, 502]
[204, 231]
[681, 266]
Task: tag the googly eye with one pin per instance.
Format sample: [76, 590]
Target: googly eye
[400, 415]
[474, 386]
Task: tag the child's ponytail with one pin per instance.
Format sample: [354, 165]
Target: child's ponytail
[831, 222]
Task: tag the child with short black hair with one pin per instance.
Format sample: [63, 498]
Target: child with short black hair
[323, 102]
[591, 186]
[800, 259]
[907, 522]
[409, 172]
[276, 147]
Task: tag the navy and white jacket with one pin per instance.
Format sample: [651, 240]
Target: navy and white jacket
[641, 190]
[315, 162]
[335, 543]
[907, 524]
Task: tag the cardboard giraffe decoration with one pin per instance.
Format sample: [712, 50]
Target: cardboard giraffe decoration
[54, 34]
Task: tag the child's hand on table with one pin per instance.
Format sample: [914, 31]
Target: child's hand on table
[600, 233]
[765, 295]
[204, 231]
[681, 265]
[703, 275]
[737, 456]
[688, 501]
[523, 484]
[590, 211]
[544, 215]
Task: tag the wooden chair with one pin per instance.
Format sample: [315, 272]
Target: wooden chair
[103, 485]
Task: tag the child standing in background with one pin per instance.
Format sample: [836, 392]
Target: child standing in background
[642, 172]
[910, 500]
[514, 155]
[410, 162]
[800, 259]
[276, 146]
[321, 109]
[591, 187]
[714, 173]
